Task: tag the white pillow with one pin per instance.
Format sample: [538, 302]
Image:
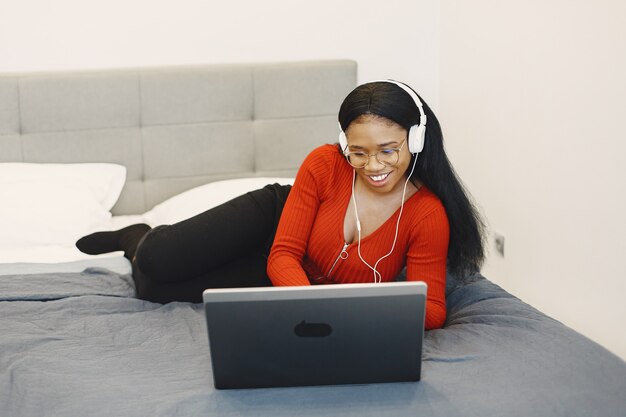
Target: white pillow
[204, 197]
[55, 204]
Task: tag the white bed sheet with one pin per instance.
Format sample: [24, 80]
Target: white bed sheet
[50, 258]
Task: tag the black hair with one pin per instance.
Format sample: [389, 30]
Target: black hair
[433, 169]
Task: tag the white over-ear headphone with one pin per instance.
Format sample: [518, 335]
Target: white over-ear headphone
[417, 133]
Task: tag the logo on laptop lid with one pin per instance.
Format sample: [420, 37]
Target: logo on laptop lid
[304, 329]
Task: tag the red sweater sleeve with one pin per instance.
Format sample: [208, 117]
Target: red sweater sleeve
[314, 191]
[426, 261]
[284, 266]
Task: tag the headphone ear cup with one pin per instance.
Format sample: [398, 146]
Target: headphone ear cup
[417, 135]
[343, 141]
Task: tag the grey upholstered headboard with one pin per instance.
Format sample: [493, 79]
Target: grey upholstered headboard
[175, 128]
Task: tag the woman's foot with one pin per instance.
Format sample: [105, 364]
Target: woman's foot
[125, 239]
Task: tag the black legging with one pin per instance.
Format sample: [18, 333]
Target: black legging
[226, 246]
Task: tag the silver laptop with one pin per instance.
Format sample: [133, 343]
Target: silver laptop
[317, 335]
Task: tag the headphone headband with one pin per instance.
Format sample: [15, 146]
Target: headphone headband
[416, 144]
[417, 133]
[410, 92]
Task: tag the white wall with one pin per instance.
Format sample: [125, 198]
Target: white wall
[43, 35]
[533, 101]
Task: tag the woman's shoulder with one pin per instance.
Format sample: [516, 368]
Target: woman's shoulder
[427, 215]
[425, 203]
[323, 168]
[327, 151]
[324, 158]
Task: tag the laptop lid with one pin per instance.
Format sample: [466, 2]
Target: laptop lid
[315, 335]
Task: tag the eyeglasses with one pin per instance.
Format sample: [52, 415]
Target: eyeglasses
[388, 157]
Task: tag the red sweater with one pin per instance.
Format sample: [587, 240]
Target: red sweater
[310, 238]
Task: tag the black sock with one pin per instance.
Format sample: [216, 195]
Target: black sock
[125, 239]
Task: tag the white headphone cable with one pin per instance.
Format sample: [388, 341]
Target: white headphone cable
[377, 276]
[358, 228]
[395, 238]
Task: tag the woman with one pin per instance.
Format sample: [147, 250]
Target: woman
[385, 198]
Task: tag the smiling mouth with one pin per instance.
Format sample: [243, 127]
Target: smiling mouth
[379, 178]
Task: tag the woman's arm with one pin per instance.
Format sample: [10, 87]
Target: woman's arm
[284, 266]
[426, 261]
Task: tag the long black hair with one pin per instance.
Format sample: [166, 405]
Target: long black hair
[433, 169]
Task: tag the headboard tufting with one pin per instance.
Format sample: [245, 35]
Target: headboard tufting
[175, 128]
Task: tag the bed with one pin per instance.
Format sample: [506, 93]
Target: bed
[96, 150]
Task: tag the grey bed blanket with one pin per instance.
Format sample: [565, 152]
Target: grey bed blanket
[80, 344]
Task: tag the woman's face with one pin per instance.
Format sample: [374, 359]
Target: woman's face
[371, 134]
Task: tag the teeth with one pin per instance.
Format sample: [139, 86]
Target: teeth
[379, 177]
